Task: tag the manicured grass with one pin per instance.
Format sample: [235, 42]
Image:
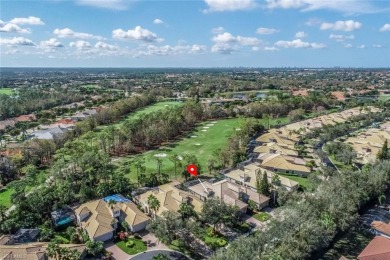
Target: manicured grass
[138, 246]
[303, 182]
[262, 216]
[5, 197]
[202, 144]
[90, 86]
[149, 109]
[6, 91]
[340, 165]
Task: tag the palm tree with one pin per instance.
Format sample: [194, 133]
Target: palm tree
[176, 161]
[154, 204]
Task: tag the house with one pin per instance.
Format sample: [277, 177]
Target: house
[246, 176]
[229, 192]
[170, 198]
[83, 115]
[100, 218]
[381, 228]
[273, 137]
[35, 251]
[48, 134]
[283, 164]
[276, 148]
[377, 249]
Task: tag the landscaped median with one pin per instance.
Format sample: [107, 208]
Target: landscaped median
[262, 216]
[131, 246]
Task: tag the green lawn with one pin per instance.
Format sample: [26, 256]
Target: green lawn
[149, 109]
[262, 216]
[303, 182]
[203, 141]
[138, 246]
[5, 197]
[6, 91]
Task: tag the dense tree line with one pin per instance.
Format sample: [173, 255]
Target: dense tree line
[29, 100]
[309, 222]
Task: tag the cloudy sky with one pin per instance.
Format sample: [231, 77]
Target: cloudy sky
[197, 33]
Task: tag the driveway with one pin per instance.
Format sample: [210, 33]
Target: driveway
[154, 243]
[117, 253]
[251, 220]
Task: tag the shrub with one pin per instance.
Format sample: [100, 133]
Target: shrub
[130, 243]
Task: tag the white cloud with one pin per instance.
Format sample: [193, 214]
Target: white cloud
[218, 30]
[385, 28]
[12, 28]
[106, 46]
[377, 46]
[313, 21]
[158, 21]
[361, 46]
[341, 38]
[263, 30]
[111, 4]
[31, 20]
[345, 6]
[223, 48]
[229, 38]
[229, 5]
[51, 43]
[271, 49]
[69, 33]
[137, 34]
[298, 43]
[300, 35]
[227, 43]
[80, 45]
[348, 25]
[168, 50]
[17, 41]
[347, 45]
[257, 48]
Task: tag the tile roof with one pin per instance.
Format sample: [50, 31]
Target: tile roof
[377, 249]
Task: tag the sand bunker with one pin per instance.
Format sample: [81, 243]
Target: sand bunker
[209, 124]
[194, 136]
[238, 129]
[167, 105]
[161, 155]
[204, 130]
[197, 144]
[214, 122]
[180, 157]
[205, 127]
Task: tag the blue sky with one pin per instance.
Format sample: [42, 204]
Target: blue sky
[202, 33]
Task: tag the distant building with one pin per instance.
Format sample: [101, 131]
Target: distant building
[22, 236]
[48, 134]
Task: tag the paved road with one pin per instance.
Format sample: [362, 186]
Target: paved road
[148, 255]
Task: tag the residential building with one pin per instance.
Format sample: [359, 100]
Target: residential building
[283, 164]
[100, 218]
[35, 251]
[377, 249]
[170, 198]
[229, 192]
[48, 134]
[381, 228]
[246, 176]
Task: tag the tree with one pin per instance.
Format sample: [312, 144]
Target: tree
[216, 212]
[186, 210]
[176, 161]
[264, 185]
[94, 248]
[125, 225]
[384, 153]
[160, 256]
[167, 227]
[154, 204]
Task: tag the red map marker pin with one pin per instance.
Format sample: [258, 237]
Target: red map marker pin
[191, 169]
